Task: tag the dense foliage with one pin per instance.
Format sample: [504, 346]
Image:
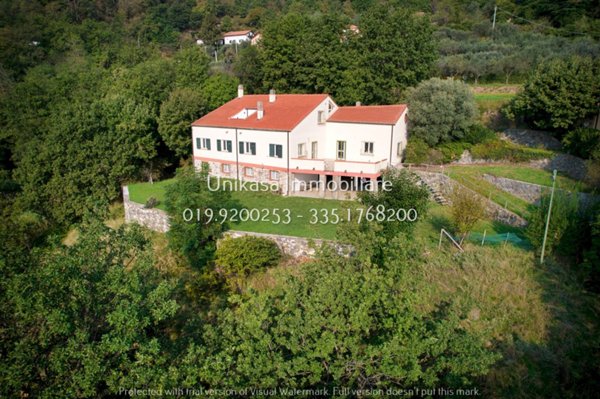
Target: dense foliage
[237, 258]
[399, 191]
[78, 321]
[558, 95]
[441, 110]
[340, 324]
[192, 232]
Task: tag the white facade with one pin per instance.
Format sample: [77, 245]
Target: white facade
[237, 37]
[306, 153]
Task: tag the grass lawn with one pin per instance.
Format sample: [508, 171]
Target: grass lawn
[491, 101]
[300, 210]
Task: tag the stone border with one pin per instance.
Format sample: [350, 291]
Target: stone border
[445, 185]
[154, 219]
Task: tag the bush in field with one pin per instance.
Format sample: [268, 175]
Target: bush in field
[453, 151]
[238, 258]
[466, 210]
[563, 230]
[479, 134]
[416, 151]
[441, 110]
[583, 142]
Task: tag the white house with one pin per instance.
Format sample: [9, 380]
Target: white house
[299, 141]
[238, 36]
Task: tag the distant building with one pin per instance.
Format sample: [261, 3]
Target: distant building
[238, 36]
[299, 140]
[200, 42]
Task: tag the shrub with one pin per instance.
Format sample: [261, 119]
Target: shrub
[238, 258]
[416, 151]
[563, 230]
[151, 203]
[453, 151]
[466, 210]
[503, 150]
[583, 142]
[479, 134]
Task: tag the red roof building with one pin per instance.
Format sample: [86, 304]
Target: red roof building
[374, 114]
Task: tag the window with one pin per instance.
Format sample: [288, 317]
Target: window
[399, 149]
[330, 106]
[276, 150]
[249, 172]
[226, 168]
[224, 145]
[274, 175]
[341, 150]
[321, 117]
[202, 144]
[246, 147]
[314, 153]
[301, 150]
[367, 148]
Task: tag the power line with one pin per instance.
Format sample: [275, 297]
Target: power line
[541, 25]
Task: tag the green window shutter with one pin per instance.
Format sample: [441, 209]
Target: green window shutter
[198, 143]
[218, 145]
[228, 145]
[241, 147]
[208, 144]
[253, 148]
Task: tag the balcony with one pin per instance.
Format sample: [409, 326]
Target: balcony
[307, 165]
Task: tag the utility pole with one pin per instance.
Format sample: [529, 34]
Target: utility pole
[548, 217]
[494, 21]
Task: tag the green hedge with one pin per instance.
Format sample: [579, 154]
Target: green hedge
[240, 257]
[500, 150]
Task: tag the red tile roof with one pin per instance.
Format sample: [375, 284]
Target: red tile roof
[284, 114]
[237, 33]
[372, 114]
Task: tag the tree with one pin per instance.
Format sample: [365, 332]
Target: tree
[176, 115]
[404, 193]
[248, 69]
[192, 233]
[337, 323]
[398, 50]
[583, 142]
[441, 110]
[84, 318]
[466, 210]
[558, 95]
[218, 89]
[191, 67]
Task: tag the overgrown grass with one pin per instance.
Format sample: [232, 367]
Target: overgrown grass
[491, 101]
[301, 210]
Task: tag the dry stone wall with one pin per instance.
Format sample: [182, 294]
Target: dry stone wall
[445, 185]
[154, 219]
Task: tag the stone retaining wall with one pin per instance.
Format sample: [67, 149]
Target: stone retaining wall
[445, 186]
[154, 219]
[531, 192]
[296, 247]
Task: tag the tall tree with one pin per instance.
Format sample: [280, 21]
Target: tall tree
[558, 95]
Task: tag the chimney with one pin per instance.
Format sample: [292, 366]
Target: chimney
[358, 104]
[240, 91]
[260, 112]
[272, 96]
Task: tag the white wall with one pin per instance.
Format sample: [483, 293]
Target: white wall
[310, 130]
[236, 39]
[400, 136]
[354, 134]
[262, 138]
